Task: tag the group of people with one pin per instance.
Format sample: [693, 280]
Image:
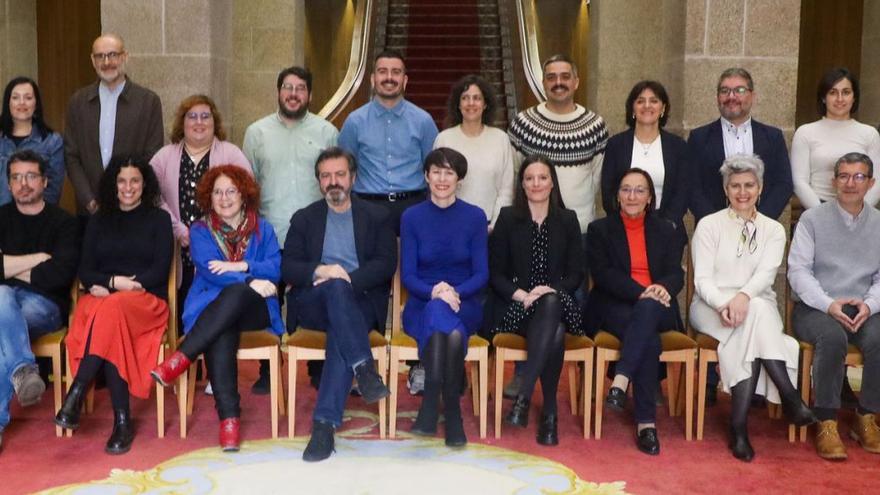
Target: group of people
[497, 235]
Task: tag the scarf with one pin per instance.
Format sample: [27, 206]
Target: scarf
[233, 242]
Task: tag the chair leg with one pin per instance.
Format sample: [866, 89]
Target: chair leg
[273, 390]
[393, 376]
[181, 400]
[587, 392]
[191, 387]
[484, 389]
[160, 399]
[573, 388]
[806, 370]
[56, 383]
[499, 385]
[601, 366]
[689, 395]
[292, 364]
[69, 382]
[673, 371]
[281, 400]
[383, 404]
[701, 393]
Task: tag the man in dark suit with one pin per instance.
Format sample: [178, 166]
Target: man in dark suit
[339, 257]
[736, 132]
[112, 116]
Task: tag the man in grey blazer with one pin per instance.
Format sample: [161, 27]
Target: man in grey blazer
[112, 116]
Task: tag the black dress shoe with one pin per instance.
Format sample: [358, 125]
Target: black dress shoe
[740, 447]
[321, 445]
[519, 413]
[547, 431]
[68, 415]
[648, 442]
[369, 383]
[616, 399]
[123, 433]
[797, 412]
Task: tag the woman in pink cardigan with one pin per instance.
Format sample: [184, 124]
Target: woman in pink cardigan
[198, 142]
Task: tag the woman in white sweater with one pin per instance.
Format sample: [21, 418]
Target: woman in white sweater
[489, 182]
[817, 146]
[736, 253]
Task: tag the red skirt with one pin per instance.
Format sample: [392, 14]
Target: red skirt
[126, 330]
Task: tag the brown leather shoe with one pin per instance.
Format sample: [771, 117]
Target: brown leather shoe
[828, 443]
[865, 431]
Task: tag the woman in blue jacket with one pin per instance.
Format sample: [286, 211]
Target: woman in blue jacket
[238, 264]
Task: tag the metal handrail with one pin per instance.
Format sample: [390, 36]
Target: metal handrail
[356, 65]
[531, 59]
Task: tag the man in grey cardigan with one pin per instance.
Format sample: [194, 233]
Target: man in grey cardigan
[112, 116]
[834, 269]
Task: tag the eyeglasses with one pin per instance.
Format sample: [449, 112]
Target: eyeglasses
[290, 88]
[636, 191]
[28, 177]
[195, 117]
[739, 90]
[111, 56]
[229, 193]
[858, 178]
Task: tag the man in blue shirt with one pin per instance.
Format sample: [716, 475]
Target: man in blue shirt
[390, 138]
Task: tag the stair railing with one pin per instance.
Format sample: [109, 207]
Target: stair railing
[531, 59]
[357, 62]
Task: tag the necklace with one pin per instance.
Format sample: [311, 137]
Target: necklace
[646, 148]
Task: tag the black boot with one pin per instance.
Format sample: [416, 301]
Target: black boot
[739, 444]
[519, 413]
[321, 444]
[455, 436]
[370, 383]
[123, 433]
[68, 415]
[547, 430]
[426, 421]
[794, 408]
[741, 398]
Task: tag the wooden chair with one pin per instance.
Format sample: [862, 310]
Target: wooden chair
[578, 352]
[51, 346]
[253, 345]
[403, 348]
[169, 343]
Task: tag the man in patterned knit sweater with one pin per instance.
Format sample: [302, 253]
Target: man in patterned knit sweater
[570, 135]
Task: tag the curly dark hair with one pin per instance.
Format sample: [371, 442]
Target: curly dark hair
[521, 202]
[244, 182]
[183, 108]
[6, 116]
[108, 195]
[634, 93]
[453, 106]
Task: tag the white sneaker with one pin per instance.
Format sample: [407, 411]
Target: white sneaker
[209, 390]
[415, 382]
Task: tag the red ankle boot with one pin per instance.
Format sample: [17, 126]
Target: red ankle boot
[229, 435]
[170, 369]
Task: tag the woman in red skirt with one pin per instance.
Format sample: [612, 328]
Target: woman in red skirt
[117, 327]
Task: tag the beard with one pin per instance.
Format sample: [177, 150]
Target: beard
[292, 114]
[336, 196]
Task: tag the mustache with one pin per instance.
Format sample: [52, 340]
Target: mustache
[392, 81]
[559, 86]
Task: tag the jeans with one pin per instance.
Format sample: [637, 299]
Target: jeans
[334, 307]
[24, 315]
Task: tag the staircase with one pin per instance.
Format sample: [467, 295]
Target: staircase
[442, 41]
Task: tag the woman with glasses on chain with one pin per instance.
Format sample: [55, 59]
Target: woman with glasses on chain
[736, 254]
[817, 146]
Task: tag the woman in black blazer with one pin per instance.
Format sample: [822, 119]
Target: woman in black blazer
[647, 146]
[636, 255]
[535, 265]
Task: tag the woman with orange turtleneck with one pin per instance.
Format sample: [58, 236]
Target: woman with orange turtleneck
[636, 260]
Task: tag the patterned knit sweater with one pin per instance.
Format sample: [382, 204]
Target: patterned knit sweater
[574, 142]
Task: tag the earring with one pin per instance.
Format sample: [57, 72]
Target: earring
[634, 116]
[662, 114]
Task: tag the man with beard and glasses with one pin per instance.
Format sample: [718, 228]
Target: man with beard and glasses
[339, 256]
[282, 148]
[40, 251]
[736, 132]
[390, 137]
[128, 117]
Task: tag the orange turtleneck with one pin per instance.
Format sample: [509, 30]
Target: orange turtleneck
[638, 252]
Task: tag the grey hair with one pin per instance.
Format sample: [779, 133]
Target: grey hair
[854, 157]
[740, 164]
[737, 72]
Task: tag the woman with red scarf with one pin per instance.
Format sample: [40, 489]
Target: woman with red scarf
[238, 264]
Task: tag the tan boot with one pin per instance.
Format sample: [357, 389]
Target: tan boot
[828, 443]
[865, 431]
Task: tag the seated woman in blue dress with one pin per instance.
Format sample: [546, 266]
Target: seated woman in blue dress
[537, 264]
[238, 264]
[444, 267]
[636, 258]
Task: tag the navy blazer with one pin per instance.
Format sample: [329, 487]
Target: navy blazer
[376, 247]
[707, 154]
[618, 159]
[611, 268]
[510, 257]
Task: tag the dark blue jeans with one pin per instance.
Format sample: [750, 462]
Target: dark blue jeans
[334, 307]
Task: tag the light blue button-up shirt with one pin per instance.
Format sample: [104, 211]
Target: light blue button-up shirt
[390, 145]
[107, 123]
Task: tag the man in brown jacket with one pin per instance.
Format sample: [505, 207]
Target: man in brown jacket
[112, 116]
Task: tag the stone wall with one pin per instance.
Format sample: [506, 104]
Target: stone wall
[18, 39]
